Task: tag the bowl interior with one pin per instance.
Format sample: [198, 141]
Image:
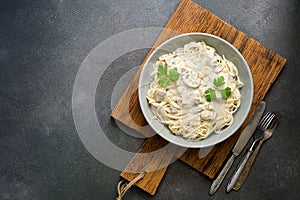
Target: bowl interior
[222, 48]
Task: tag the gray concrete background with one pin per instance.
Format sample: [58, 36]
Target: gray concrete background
[42, 45]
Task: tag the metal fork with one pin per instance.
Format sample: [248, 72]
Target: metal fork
[266, 135]
[264, 123]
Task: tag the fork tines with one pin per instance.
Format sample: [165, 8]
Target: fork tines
[268, 118]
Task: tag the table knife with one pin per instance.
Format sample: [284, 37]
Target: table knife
[240, 144]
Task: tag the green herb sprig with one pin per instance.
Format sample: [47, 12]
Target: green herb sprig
[166, 78]
[210, 94]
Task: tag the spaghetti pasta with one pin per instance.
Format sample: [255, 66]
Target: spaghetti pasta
[182, 105]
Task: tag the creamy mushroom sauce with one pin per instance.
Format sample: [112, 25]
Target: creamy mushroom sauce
[182, 105]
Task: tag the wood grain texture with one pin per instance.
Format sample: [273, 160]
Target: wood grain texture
[153, 157]
[265, 66]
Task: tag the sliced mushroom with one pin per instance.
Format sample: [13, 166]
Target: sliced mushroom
[159, 95]
[218, 68]
[240, 84]
[205, 70]
[191, 78]
[207, 114]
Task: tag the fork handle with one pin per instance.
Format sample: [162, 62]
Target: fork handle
[238, 171]
[241, 179]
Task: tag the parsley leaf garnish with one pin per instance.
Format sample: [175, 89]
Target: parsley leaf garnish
[225, 93]
[173, 74]
[210, 94]
[164, 77]
[219, 81]
[164, 81]
[162, 70]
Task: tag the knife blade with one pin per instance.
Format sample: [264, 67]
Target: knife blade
[240, 144]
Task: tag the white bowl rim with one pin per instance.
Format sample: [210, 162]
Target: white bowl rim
[195, 144]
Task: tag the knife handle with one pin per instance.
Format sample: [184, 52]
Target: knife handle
[241, 179]
[217, 182]
[238, 172]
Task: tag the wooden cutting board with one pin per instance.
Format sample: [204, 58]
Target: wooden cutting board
[265, 66]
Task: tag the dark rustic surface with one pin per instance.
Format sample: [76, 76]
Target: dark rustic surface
[43, 44]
